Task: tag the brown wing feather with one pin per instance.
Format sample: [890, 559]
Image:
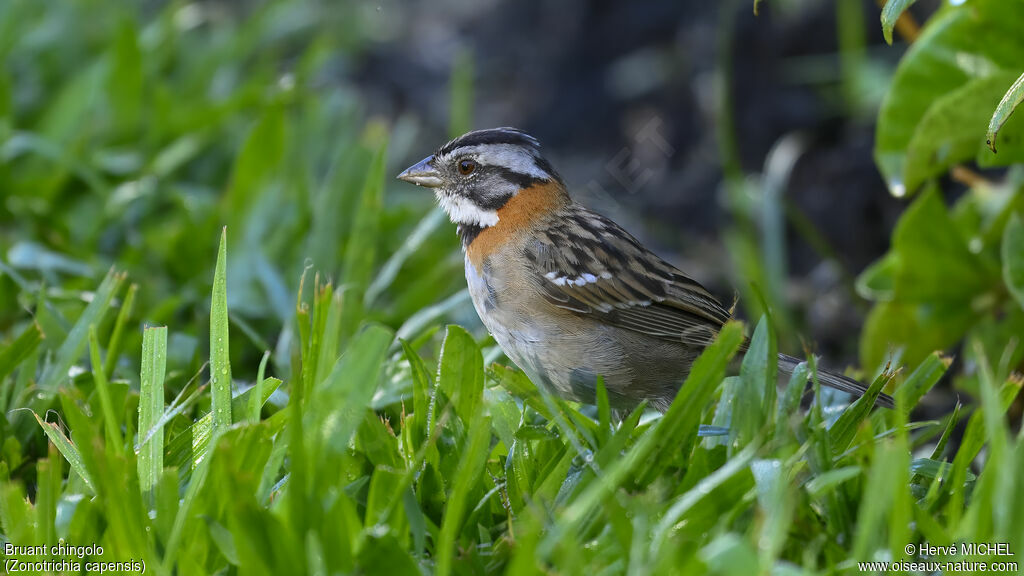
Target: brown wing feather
[613, 277]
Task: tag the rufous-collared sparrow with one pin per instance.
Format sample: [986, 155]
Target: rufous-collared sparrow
[567, 293]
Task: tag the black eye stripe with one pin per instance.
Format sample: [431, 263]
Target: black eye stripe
[518, 178]
[492, 202]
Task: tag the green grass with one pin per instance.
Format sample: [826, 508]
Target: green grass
[186, 176]
[467, 475]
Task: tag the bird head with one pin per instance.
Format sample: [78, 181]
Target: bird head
[476, 174]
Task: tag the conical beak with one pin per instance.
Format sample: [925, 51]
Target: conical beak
[422, 173]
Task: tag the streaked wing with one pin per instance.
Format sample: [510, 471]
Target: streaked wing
[605, 272]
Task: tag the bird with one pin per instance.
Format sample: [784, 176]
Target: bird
[569, 295]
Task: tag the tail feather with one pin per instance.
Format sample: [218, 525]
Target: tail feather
[846, 384]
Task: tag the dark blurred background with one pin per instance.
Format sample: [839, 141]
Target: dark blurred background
[646, 108]
[739, 146]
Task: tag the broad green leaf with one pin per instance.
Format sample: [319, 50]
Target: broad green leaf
[959, 43]
[908, 332]
[1013, 97]
[875, 283]
[890, 14]
[951, 131]
[936, 281]
[933, 262]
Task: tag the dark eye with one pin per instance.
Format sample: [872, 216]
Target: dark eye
[466, 167]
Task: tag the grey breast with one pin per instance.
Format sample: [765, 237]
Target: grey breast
[566, 352]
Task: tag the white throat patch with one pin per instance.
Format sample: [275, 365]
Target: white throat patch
[463, 211]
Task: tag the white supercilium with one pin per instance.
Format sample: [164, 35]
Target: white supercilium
[505, 155]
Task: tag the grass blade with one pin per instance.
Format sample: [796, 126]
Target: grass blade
[22, 347]
[99, 376]
[460, 119]
[151, 406]
[256, 398]
[187, 449]
[680, 421]
[461, 372]
[114, 345]
[66, 447]
[220, 364]
[703, 489]
[755, 399]
[845, 428]
[359, 251]
[921, 380]
[77, 339]
[471, 465]
[389, 271]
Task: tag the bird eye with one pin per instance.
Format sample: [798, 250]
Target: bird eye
[466, 167]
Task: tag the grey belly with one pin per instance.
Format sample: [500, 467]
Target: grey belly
[567, 355]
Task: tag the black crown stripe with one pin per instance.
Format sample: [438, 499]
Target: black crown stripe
[491, 136]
